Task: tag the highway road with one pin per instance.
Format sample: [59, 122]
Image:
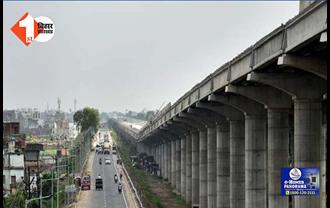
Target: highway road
[109, 197]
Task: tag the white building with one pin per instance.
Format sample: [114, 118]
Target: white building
[13, 169]
[73, 133]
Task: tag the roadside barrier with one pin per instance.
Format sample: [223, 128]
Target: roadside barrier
[137, 197]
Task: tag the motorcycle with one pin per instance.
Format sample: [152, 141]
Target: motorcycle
[119, 188]
[100, 161]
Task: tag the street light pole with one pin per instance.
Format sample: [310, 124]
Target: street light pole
[41, 192]
[52, 188]
[58, 183]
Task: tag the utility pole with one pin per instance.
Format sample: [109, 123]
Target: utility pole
[58, 184]
[52, 188]
[41, 191]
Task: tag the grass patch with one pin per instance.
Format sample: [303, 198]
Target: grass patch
[50, 152]
[179, 199]
[138, 176]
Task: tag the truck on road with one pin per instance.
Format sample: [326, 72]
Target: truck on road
[106, 148]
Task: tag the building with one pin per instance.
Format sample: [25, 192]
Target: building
[13, 157]
[13, 170]
[32, 163]
[61, 129]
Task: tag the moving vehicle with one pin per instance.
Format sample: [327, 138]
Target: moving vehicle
[114, 150]
[86, 183]
[107, 161]
[116, 178]
[106, 137]
[99, 150]
[107, 147]
[98, 184]
[119, 162]
[100, 161]
[120, 187]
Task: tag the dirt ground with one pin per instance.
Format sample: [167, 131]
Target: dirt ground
[164, 191]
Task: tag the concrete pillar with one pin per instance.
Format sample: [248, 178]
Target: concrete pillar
[162, 155]
[237, 162]
[195, 169]
[324, 158]
[159, 159]
[255, 161]
[211, 167]
[223, 166]
[173, 163]
[154, 153]
[188, 168]
[307, 137]
[157, 154]
[178, 165]
[165, 160]
[202, 169]
[278, 155]
[183, 167]
[169, 160]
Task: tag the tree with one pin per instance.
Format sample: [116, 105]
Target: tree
[47, 184]
[86, 118]
[77, 118]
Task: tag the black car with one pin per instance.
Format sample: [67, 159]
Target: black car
[98, 184]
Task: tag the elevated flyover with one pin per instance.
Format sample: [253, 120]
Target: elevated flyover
[224, 142]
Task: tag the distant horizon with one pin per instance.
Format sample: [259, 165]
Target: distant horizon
[142, 54]
[40, 110]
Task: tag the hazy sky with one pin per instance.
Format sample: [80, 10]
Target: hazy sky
[128, 55]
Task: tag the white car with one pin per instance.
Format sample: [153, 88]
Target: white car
[107, 161]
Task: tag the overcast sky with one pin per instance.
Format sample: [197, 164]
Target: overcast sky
[128, 55]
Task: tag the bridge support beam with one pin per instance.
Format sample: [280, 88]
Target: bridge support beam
[183, 167]
[223, 166]
[162, 153]
[195, 169]
[307, 121]
[255, 147]
[211, 166]
[168, 161]
[192, 128]
[159, 160]
[209, 119]
[315, 65]
[173, 163]
[202, 169]
[178, 166]
[229, 165]
[278, 106]
[237, 161]
[188, 168]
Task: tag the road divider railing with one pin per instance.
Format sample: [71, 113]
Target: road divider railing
[136, 195]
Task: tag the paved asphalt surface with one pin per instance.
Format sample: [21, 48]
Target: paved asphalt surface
[109, 197]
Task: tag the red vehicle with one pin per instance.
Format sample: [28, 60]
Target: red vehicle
[86, 183]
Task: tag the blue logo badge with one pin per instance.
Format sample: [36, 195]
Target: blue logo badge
[300, 181]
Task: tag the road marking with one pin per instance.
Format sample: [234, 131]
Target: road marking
[123, 194]
[105, 198]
